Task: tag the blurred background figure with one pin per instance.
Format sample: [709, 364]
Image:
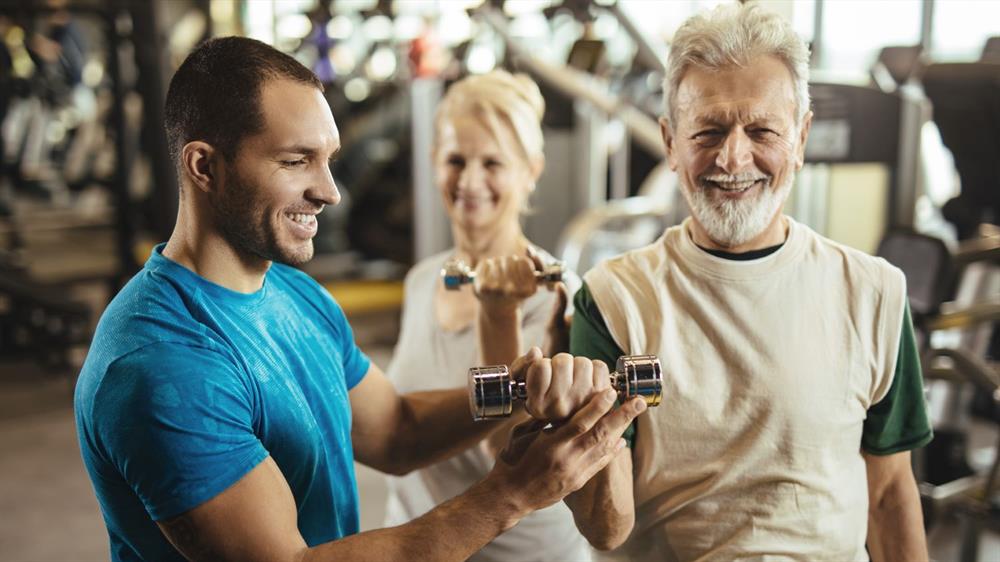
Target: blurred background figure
[903, 161]
[487, 156]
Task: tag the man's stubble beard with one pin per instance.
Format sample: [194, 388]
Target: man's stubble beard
[243, 223]
[732, 223]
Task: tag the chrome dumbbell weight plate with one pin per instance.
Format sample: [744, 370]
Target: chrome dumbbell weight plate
[492, 391]
[456, 273]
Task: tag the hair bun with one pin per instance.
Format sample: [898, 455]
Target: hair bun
[528, 89]
[514, 98]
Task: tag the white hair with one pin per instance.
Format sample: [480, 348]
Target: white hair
[735, 35]
[500, 99]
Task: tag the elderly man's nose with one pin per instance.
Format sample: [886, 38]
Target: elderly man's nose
[735, 153]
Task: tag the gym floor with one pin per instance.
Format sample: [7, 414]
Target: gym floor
[48, 511]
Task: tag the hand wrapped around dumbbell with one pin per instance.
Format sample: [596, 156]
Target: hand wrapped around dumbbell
[456, 273]
[492, 390]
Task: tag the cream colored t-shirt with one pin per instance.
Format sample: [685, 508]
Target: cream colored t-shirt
[769, 367]
[428, 358]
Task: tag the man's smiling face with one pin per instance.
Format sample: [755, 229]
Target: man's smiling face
[280, 178]
[736, 145]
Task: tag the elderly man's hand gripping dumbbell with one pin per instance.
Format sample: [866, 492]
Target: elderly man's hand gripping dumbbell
[540, 466]
[554, 389]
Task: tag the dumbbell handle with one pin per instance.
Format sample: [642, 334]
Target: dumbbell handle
[492, 391]
[456, 273]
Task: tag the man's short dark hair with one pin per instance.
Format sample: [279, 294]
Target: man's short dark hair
[215, 94]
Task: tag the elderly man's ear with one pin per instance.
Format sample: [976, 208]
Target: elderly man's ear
[668, 143]
[803, 136]
[198, 160]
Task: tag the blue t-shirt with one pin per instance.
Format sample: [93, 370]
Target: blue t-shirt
[188, 386]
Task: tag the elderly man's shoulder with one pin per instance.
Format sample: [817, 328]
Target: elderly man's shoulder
[873, 270]
[650, 257]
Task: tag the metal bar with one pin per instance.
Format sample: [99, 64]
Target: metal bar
[978, 249]
[817, 41]
[150, 53]
[579, 85]
[927, 26]
[583, 226]
[123, 154]
[431, 232]
[644, 49]
[975, 313]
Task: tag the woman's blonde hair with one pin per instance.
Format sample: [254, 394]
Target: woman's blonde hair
[499, 99]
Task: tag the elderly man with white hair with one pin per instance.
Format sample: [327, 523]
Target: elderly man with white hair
[792, 387]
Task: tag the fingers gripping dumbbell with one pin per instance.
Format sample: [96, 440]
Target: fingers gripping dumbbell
[492, 391]
[457, 273]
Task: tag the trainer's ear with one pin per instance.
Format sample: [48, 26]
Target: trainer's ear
[198, 162]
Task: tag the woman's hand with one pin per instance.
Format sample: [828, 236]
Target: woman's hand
[502, 283]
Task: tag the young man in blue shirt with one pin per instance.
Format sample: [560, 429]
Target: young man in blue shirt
[224, 401]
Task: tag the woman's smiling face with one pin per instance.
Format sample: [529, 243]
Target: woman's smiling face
[483, 180]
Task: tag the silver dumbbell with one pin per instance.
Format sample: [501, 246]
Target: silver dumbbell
[492, 392]
[456, 273]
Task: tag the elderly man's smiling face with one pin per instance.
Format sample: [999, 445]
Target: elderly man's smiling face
[736, 145]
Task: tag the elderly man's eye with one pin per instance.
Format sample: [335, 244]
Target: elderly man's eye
[293, 163]
[707, 133]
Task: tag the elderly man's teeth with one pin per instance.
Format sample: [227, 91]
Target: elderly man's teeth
[736, 186]
[302, 218]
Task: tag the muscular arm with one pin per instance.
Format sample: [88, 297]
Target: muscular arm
[256, 518]
[895, 522]
[397, 433]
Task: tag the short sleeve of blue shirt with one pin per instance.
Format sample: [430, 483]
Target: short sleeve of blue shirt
[356, 363]
[177, 422]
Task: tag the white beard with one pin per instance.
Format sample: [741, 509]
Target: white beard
[734, 222]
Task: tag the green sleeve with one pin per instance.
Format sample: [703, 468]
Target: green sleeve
[589, 337]
[900, 421]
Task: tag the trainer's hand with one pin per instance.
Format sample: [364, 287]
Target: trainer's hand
[559, 386]
[542, 466]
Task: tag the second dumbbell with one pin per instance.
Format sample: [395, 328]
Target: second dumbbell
[456, 273]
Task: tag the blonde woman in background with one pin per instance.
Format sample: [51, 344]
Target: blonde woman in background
[487, 158]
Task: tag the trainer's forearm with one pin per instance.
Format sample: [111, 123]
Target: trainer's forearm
[432, 426]
[453, 531]
[604, 509]
[436, 425]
